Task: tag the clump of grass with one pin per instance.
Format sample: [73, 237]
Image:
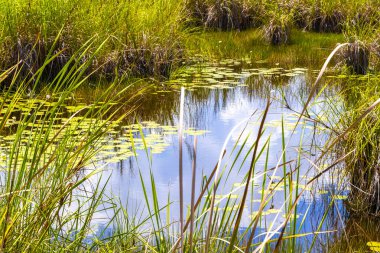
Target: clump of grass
[32, 55]
[277, 31]
[44, 204]
[362, 36]
[138, 47]
[356, 57]
[365, 14]
[323, 20]
[300, 13]
[224, 15]
[142, 61]
[227, 15]
[363, 164]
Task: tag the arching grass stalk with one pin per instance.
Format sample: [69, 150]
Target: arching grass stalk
[216, 180]
[250, 173]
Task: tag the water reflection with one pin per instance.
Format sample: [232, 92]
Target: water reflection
[217, 99]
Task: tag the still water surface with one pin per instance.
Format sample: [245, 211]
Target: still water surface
[218, 97]
[224, 104]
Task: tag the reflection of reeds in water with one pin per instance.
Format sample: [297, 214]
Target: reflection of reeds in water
[360, 229]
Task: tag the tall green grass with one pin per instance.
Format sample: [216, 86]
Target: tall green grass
[150, 37]
[42, 205]
[144, 36]
[303, 49]
[315, 15]
[362, 165]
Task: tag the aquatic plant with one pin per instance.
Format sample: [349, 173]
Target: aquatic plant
[313, 15]
[137, 45]
[300, 13]
[227, 15]
[278, 30]
[364, 242]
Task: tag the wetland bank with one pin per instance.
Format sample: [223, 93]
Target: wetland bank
[189, 126]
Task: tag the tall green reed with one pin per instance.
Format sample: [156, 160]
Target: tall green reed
[138, 46]
[42, 205]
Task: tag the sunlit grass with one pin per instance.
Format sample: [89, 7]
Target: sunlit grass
[303, 49]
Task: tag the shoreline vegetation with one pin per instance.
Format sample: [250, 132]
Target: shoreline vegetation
[151, 38]
[50, 49]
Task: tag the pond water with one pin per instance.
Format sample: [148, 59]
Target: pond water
[219, 97]
[224, 104]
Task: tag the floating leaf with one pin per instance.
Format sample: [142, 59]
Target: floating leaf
[339, 197]
[243, 184]
[273, 210]
[374, 246]
[291, 216]
[263, 213]
[195, 132]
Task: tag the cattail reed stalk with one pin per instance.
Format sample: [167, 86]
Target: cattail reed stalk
[193, 194]
[250, 173]
[180, 166]
[204, 189]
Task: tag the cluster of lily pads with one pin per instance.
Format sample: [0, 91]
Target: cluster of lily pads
[120, 142]
[148, 135]
[226, 75]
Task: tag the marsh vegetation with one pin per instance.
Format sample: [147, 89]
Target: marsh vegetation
[189, 126]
